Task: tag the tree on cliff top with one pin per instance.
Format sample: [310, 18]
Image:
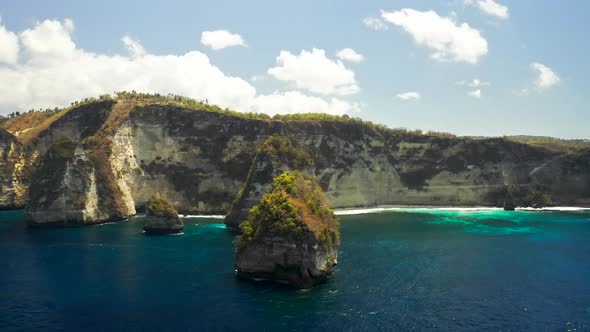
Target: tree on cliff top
[294, 205]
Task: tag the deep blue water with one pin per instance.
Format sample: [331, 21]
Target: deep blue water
[419, 270]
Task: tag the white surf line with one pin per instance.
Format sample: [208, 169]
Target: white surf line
[212, 216]
[346, 212]
[557, 208]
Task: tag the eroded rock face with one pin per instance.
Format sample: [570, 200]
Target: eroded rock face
[200, 159]
[162, 226]
[14, 167]
[291, 236]
[76, 182]
[300, 262]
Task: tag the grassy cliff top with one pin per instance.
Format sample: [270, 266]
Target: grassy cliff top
[28, 125]
[294, 205]
[552, 143]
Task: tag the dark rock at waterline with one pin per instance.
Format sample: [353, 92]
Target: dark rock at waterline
[509, 205]
[162, 226]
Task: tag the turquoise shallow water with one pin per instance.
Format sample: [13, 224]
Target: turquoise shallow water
[418, 270]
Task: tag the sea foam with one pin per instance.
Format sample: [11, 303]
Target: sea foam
[345, 212]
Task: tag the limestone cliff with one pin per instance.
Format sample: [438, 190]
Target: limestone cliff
[566, 177]
[199, 156]
[76, 182]
[291, 236]
[14, 172]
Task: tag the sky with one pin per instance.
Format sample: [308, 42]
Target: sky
[469, 67]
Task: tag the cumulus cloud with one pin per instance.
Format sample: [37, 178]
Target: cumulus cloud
[350, 55]
[408, 96]
[449, 40]
[297, 102]
[220, 39]
[135, 49]
[546, 77]
[489, 7]
[8, 46]
[375, 23]
[53, 71]
[315, 72]
[49, 40]
[475, 93]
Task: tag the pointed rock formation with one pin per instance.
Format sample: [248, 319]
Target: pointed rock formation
[291, 236]
[276, 155]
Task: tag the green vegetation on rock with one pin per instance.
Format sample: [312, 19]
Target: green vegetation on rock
[552, 143]
[295, 204]
[281, 151]
[158, 206]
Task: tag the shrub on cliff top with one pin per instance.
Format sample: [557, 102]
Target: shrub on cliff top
[295, 204]
[158, 206]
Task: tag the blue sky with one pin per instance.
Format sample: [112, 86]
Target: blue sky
[511, 99]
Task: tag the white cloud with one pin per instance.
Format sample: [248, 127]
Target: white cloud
[297, 102]
[489, 7]
[406, 96]
[475, 83]
[315, 72]
[8, 46]
[375, 23]
[220, 39]
[350, 55]
[546, 77]
[475, 93]
[49, 40]
[133, 46]
[449, 40]
[53, 71]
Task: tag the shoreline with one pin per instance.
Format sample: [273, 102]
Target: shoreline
[388, 208]
[410, 208]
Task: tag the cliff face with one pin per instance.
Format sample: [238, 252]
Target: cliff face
[200, 159]
[567, 177]
[77, 180]
[14, 172]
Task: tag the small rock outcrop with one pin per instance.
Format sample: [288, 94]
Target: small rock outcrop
[161, 217]
[509, 205]
[277, 154]
[291, 236]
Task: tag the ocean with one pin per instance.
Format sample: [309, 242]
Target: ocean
[399, 270]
